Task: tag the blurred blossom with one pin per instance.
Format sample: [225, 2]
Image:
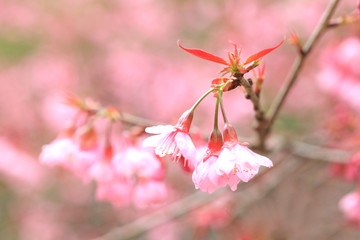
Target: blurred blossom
[339, 74]
[124, 53]
[19, 169]
[55, 113]
[350, 206]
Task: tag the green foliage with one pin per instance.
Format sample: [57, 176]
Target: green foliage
[13, 49]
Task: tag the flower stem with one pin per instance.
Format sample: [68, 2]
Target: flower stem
[216, 125]
[222, 106]
[201, 98]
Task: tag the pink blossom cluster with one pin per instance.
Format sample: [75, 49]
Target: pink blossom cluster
[350, 171]
[124, 171]
[340, 73]
[225, 162]
[344, 128]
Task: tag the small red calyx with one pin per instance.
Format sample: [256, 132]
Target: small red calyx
[185, 120]
[230, 136]
[215, 144]
[234, 66]
[108, 152]
[87, 138]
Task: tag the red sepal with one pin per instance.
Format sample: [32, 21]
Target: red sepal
[262, 53]
[204, 55]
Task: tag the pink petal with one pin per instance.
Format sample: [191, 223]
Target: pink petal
[160, 129]
[186, 146]
[226, 162]
[153, 141]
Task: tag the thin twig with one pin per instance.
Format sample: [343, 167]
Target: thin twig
[280, 98]
[259, 113]
[175, 210]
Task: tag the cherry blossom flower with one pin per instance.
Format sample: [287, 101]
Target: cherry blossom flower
[139, 162]
[350, 206]
[149, 193]
[227, 163]
[102, 170]
[119, 193]
[205, 177]
[173, 140]
[58, 152]
[238, 161]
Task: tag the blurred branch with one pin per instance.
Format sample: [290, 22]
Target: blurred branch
[264, 129]
[172, 211]
[136, 120]
[313, 152]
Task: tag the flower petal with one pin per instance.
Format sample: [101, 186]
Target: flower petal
[226, 162]
[159, 129]
[153, 141]
[262, 53]
[186, 146]
[204, 55]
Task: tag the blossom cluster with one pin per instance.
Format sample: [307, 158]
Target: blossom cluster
[344, 130]
[124, 171]
[226, 161]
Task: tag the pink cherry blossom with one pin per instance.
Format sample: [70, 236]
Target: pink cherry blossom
[350, 206]
[173, 140]
[19, 169]
[238, 160]
[67, 153]
[233, 163]
[206, 178]
[149, 193]
[58, 152]
[139, 162]
[119, 193]
[82, 161]
[103, 169]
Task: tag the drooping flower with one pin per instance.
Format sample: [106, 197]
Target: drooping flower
[205, 177]
[103, 170]
[138, 162]
[173, 140]
[138, 174]
[234, 65]
[58, 152]
[227, 163]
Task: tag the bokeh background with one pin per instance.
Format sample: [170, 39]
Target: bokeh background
[125, 54]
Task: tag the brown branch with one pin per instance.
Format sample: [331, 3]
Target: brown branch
[259, 112]
[265, 126]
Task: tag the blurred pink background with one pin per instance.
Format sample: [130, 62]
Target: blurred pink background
[125, 54]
